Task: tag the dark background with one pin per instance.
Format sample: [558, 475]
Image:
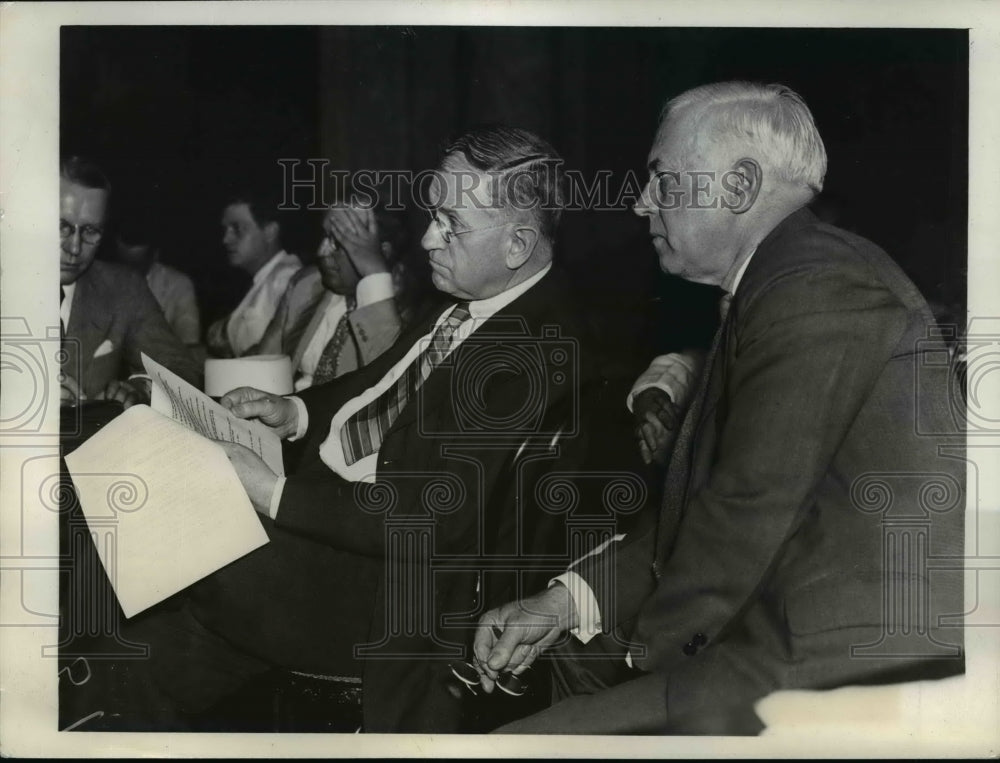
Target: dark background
[179, 114]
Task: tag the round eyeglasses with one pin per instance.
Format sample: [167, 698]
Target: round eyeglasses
[89, 234]
[515, 686]
[447, 235]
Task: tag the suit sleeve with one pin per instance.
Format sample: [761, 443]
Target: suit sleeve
[808, 352]
[321, 505]
[375, 327]
[621, 576]
[187, 324]
[149, 332]
[272, 343]
[216, 339]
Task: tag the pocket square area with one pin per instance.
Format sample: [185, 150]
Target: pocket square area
[104, 348]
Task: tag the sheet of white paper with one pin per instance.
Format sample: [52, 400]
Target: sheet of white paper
[164, 505]
[186, 404]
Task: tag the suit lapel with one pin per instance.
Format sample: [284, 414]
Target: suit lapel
[700, 412]
[312, 327]
[514, 319]
[89, 320]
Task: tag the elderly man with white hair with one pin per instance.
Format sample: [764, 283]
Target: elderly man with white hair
[808, 495]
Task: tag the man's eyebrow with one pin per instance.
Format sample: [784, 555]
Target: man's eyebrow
[446, 211]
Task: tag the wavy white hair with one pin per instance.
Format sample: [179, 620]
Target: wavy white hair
[772, 118]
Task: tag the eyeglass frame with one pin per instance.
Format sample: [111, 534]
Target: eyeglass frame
[68, 230]
[448, 235]
[506, 676]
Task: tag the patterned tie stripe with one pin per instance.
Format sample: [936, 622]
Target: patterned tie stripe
[362, 434]
[326, 366]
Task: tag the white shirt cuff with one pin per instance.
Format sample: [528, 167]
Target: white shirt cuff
[303, 418]
[374, 288]
[648, 385]
[272, 508]
[674, 373]
[586, 605]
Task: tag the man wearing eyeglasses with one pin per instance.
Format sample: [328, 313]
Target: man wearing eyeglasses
[402, 466]
[108, 315]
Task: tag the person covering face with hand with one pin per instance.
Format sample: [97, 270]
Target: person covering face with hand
[340, 314]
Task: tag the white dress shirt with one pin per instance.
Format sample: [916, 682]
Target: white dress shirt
[66, 306]
[363, 470]
[583, 596]
[246, 324]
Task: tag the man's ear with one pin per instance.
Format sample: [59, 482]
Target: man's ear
[522, 242]
[742, 184]
[271, 232]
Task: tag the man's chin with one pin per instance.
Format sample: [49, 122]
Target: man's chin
[69, 275]
[666, 257]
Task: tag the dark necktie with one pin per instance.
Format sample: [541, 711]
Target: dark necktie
[326, 367]
[362, 434]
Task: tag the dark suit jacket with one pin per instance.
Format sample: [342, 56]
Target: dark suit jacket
[799, 516]
[394, 565]
[114, 313]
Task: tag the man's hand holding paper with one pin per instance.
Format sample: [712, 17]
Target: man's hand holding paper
[279, 413]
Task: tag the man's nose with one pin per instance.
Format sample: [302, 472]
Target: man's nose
[432, 238]
[643, 206]
[72, 244]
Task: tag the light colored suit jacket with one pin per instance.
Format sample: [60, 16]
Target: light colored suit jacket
[236, 334]
[373, 328]
[114, 317]
[175, 294]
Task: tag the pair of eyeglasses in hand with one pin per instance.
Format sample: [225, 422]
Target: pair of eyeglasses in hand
[508, 683]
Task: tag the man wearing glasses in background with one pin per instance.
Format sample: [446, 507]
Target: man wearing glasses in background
[107, 313]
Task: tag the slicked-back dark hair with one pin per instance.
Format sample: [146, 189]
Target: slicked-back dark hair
[528, 171]
[262, 203]
[85, 172]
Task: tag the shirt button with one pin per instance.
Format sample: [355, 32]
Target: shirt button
[690, 649]
[699, 639]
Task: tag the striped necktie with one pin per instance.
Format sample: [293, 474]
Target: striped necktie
[362, 433]
[326, 366]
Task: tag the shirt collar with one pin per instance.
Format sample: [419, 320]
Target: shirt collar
[270, 265]
[738, 275]
[486, 308]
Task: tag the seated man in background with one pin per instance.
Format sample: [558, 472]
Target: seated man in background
[107, 312]
[137, 246]
[251, 234]
[402, 463]
[340, 314]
